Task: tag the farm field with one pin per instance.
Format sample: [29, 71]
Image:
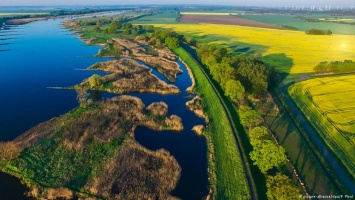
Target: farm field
[162, 17]
[302, 25]
[286, 50]
[328, 104]
[209, 13]
[224, 19]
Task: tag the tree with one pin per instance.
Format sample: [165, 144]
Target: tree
[190, 40]
[83, 98]
[259, 134]
[128, 26]
[267, 155]
[249, 118]
[172, 43]
[134, 32]
[112, 28]
[149, 28]
[95, 81]
[127, 31]
[97, 29]
[280, 187]
[235, 90]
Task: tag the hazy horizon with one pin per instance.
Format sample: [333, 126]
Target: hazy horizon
[200, 2]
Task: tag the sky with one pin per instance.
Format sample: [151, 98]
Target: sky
[140, 2]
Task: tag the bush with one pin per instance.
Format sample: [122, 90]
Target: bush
[95, 81]
[335, 67]
[172, 43]
[319, 32]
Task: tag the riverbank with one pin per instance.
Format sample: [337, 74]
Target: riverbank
[227, 176]
[25, 20]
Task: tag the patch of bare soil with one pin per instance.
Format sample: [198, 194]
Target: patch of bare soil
[69, 23]
[24, 20]
[227, 20]
[266, 105]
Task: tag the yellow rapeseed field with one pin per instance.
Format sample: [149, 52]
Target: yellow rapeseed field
[334, 97]
[329, 104]
[305, 50]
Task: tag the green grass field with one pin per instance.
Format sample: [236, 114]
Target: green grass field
[303, 25]
[230, 180]
[161, 17]
[328, 104]
[209, 13]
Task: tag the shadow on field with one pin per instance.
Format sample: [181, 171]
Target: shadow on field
[300, 155]
[280, 62]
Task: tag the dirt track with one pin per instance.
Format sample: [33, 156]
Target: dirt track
[226, 19]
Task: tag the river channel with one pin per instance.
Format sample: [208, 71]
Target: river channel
[43, 54]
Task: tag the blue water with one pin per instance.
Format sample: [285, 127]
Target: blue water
[188, 148]
[44, 54]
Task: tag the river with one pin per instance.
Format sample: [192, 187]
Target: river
[43, 54]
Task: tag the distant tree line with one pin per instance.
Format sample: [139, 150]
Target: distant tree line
[319, 32]
[290, 27]
[79, 12]
[335, 67]
[308, 19]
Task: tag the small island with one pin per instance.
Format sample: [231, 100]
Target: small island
[126, 76]
[163, 60]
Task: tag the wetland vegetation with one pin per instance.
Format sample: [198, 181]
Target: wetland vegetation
[257, 142]
[91, 152]
[125, 76]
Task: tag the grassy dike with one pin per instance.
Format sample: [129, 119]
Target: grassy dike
[227, 175]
